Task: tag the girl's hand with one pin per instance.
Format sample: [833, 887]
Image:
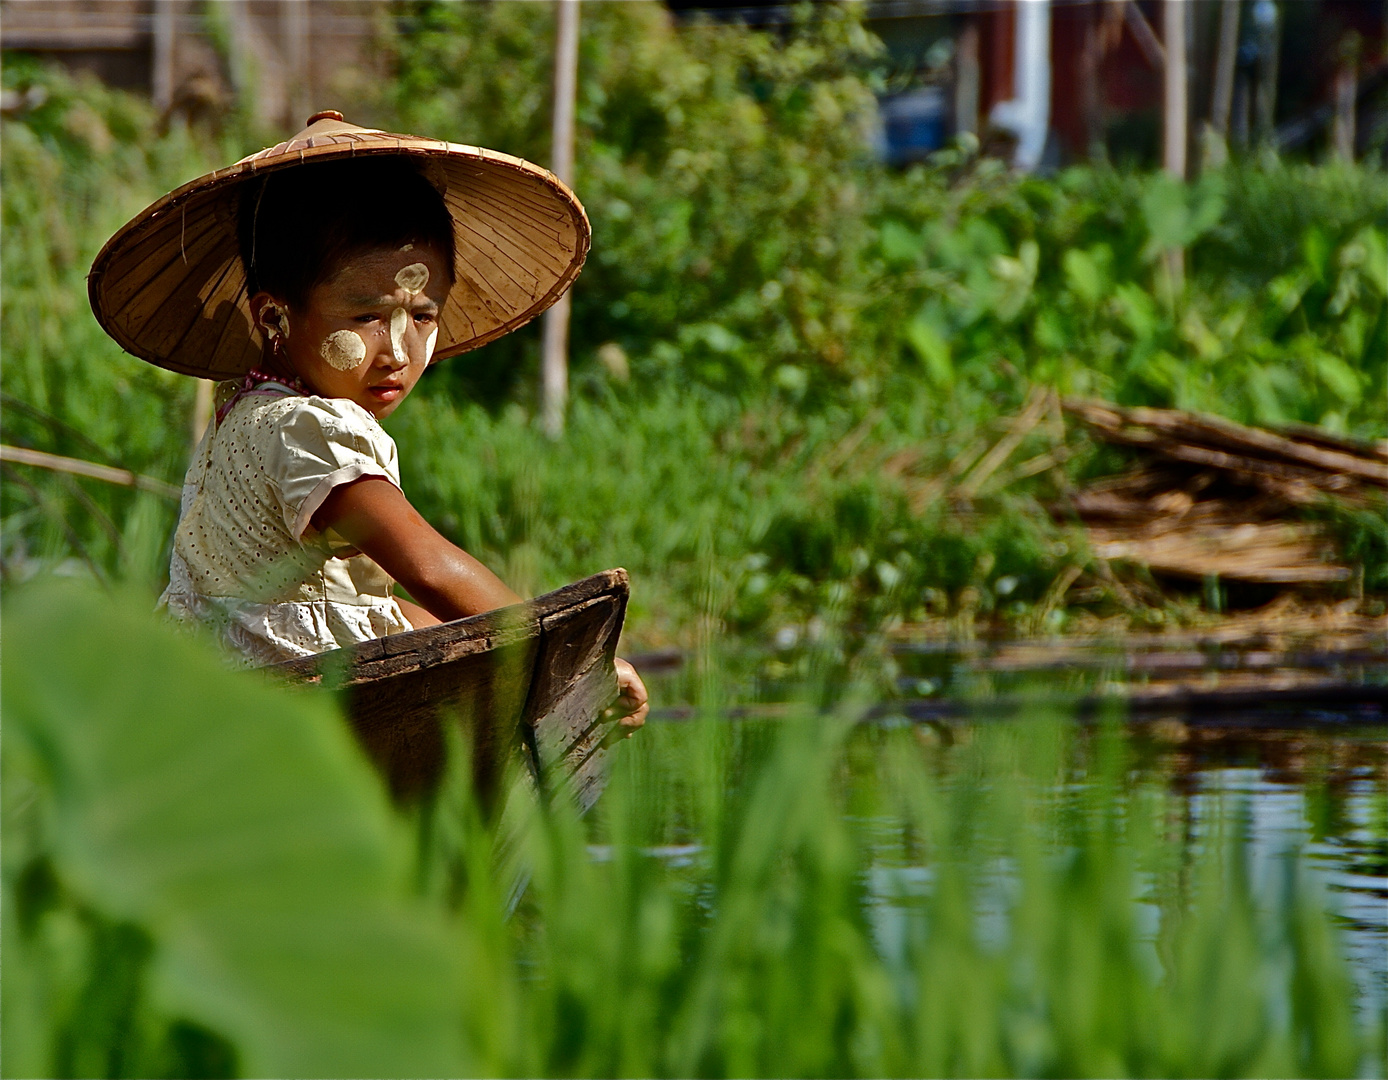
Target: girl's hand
[633, 703]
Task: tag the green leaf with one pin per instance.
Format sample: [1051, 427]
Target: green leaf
[930, 345]
[1086, 273]
[1138, 310]
[1177, 214]
[1315, 248]
[239, 824]
[1015, 279]
[901, 246]
[1343, 380]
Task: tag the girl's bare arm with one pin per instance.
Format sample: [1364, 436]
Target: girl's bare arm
[374, 516]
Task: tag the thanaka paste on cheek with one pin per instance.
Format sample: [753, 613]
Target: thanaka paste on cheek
[344, 350]
[429, 345]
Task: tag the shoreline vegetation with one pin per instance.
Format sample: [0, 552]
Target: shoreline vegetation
[769, 326]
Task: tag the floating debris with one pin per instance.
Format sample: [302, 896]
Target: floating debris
[1212, 498]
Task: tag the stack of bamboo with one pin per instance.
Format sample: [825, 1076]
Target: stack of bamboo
[1209, 497]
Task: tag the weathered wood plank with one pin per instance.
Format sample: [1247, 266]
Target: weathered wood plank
[534, 677]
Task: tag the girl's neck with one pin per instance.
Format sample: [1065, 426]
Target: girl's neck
[279, 369]
[293, 382]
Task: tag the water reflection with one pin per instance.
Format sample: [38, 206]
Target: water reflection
[1312, 785]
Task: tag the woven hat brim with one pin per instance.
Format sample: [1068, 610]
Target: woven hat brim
[170, 287]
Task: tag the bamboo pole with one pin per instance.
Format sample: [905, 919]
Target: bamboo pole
[1174, 122]
[1222, 100]
[1222, 97]
[162, 75]
[1143, 34]
[237, 60]
[1174, 112]
[1346, 91]
[294, 16]
[967, 75]
[1265, 21]
[20, 455]
[555, 386]
[1091, 92]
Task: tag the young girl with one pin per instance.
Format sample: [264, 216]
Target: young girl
[294, 528]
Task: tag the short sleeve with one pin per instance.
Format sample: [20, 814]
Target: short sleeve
[320, 444]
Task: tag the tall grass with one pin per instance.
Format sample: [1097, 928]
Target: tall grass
[727, 520]
[83, 161]
[200, 874]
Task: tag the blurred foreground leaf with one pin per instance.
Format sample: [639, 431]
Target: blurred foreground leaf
[234, 825]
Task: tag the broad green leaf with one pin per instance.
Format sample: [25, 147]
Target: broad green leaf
[1015, 279]
[1177, 214]
[1138, 310]
[1086, 272]
[901, 246]
[1343, 380]
[238, 824]
[1315, 249]
[930, 345]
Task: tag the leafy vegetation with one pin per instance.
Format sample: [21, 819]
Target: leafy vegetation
[782, 343]
[743, 238]
[202, 879]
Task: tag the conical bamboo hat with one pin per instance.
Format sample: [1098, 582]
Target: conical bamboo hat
[170, 287]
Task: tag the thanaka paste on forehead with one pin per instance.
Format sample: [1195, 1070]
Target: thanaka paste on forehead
[343, 350]
[413, 278]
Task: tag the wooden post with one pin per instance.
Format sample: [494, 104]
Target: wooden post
[966, 79]
[1174, 118]
[1091, 89]
[555, 358]
[162, 76]
[1222, 98]
[1346, 91]
[236, 16]
[294, 16]
[1174, 112]
[1265, 19]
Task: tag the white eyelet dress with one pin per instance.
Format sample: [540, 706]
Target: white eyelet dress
[246, 557]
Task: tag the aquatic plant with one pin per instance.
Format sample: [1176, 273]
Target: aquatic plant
[202, 878]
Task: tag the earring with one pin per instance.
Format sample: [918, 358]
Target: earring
[275, 318]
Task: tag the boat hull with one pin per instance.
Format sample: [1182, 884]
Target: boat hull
[529, 681]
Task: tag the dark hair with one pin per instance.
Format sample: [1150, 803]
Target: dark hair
[294, 227]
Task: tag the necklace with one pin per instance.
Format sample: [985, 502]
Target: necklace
[249, 388]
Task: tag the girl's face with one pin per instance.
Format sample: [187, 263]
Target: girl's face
[368, 332]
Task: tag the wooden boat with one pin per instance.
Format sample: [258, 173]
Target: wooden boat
[531, 680]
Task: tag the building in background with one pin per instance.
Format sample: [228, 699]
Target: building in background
[1039, 82]
[1046, 82]
[279, 59]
